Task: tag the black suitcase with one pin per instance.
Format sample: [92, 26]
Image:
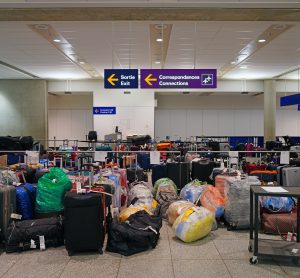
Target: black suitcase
[202, 170]
[158, 172]
[135, 174]
[7, 207]
[84, 218]
[25, 235]
[179, 173]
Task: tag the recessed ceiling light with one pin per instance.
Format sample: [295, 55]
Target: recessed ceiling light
[82, 62]
[262, 40]
[159, 39]
[157, 62]
[233, 62]
[42, 26]
[243, 67]
[57, 40]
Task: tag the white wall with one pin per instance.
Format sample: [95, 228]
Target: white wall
[135, 112]
[186, 116]
[23, 108]
[69, 117]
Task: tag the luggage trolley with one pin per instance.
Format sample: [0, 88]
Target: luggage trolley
[269, 247]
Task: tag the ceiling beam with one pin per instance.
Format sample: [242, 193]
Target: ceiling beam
[17, 69]
[160, 14]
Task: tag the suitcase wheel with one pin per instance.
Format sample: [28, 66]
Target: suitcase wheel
[70, 253]
[100, 251]
[253, 260]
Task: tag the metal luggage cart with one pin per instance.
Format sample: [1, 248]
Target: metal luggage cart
[270, 247]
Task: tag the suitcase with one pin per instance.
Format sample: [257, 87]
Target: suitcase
[25, 235]
[84, 218]
[237, 206]
[279, 223]
[265, 175]
[279, 173]
[25, 200]
[7, 207]
[158, 172]
[290, 176]
[179, 173]
[202, 170]
[135, 174]
[144, 160]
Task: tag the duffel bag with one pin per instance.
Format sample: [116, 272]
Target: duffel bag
[29, 234]
[139, 233]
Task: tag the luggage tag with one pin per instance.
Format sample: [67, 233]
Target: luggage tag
[32, 244]
[42, 243]
[16, 216]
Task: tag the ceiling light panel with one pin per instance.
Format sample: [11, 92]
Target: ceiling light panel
[254, 47]
[22, 48]
[61, 44]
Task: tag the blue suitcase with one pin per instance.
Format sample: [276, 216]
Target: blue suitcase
[25, 199]
[144, 160]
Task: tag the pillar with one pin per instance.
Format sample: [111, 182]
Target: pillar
[269, 110]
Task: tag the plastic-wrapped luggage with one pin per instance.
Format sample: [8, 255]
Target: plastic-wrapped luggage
[8, 177]
[277, 204]
[237, 208]
[51, 190]
[164, 185]
[193, 224]
[177, 208]
[212, 199]
[25, 199]
[165, 199]
[117, 189]
[192, 191]
[140, 195]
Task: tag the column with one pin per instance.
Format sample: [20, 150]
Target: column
[269, 110]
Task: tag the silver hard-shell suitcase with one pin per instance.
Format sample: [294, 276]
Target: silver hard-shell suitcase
[291, 176]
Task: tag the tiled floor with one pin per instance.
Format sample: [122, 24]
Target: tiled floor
[222, 254]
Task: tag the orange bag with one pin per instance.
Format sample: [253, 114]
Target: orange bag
[212, 199]
[163, 146]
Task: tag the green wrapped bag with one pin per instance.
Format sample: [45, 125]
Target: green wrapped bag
[164, 184]
[51, 191]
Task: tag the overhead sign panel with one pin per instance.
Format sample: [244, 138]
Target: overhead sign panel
[121, 78]
[290, 100]
[178, 78]
[105, 110]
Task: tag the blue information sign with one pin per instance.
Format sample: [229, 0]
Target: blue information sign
[104, 110]
[121, 78]
[290, 100]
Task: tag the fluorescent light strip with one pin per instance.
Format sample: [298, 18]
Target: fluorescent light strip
[252, 47]
[49, 34]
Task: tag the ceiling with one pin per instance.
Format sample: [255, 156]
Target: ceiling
[127, 44]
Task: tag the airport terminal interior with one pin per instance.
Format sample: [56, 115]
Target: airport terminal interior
[149, 138]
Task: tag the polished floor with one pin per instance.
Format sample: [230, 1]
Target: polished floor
[222, 254]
